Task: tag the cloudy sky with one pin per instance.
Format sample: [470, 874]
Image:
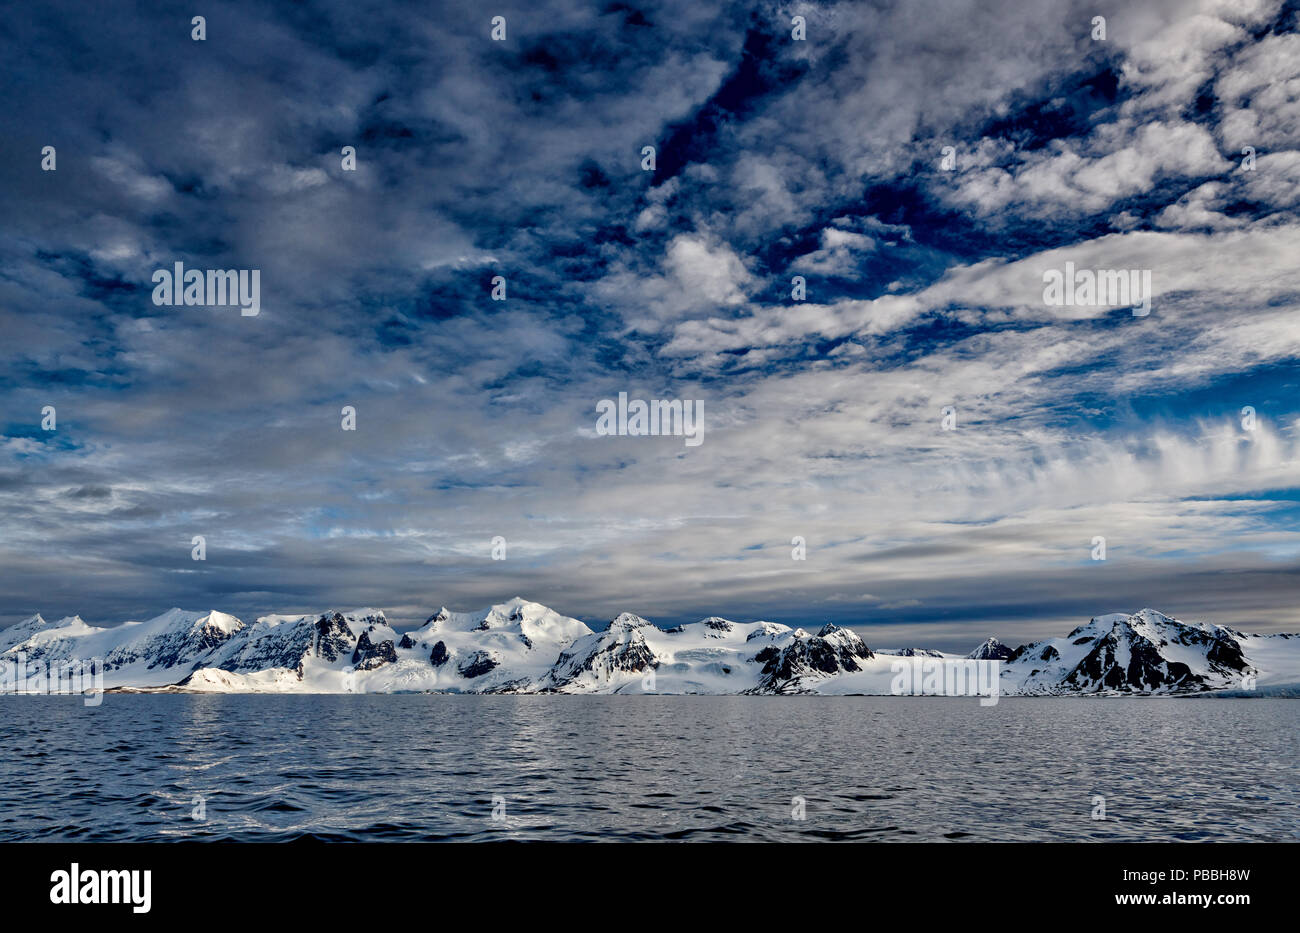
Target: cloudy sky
[775, 158]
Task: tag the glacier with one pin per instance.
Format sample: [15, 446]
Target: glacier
[524, 647]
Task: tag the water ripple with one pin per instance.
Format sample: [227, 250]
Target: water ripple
[442, 768]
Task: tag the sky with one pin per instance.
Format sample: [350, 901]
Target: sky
[1170, 147]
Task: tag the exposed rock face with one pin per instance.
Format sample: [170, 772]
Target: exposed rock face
[181, 642]
[333, 637]
[188, 646]
[439, 618]
[477, 664]
[176, 640]
[1125, 660]
[916, 653]
[1146, 652]
[717, 627]
[369, 655]
[767, 654]
[264, 647]
[291, 642]
[1226, 652]
[520, 640]
[524, 647]
[810, 658]
[592, 660]
[438, 656]
[991, 650]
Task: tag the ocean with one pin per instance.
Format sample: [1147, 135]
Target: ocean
[454, 767]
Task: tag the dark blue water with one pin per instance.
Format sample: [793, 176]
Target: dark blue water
[700, 768]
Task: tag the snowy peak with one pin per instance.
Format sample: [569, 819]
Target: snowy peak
[628, 620]
[222, 622]
[160, 650]
[767, 630]
[1146, 652]
[507, 647]
[1151, 617]
[359, 619]
[807, 659]
[605, 659]
[991, 650]
[36, 629]
[525, 647]
[515, 615]
[911, 652]
[716, 627]
[21, 631]
[177, 638]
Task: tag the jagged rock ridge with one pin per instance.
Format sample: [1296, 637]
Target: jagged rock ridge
[524, 647]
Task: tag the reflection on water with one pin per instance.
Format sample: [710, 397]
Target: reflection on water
[270, 768]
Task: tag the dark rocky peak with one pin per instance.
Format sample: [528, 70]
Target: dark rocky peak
[332, 637]
[442, 615]
[369, 655]
[1125, 660]
[622, 647]
[439, 655]
[992, 650]
[477, 664]
[792, 669]
[716, 624]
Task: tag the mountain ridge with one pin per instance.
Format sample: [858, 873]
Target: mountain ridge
[520, 646]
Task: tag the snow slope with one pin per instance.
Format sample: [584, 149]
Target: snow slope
[524, 647]
[1148, 652]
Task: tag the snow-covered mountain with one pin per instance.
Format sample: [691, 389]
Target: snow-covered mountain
[143, 654]
[1149, 652]
[802, 662]
[991, 650]
[912, 652]
[524, 647]
[508, 647]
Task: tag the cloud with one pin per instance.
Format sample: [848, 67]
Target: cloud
[775, 158]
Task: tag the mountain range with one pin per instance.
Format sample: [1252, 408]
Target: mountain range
[525, 647]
